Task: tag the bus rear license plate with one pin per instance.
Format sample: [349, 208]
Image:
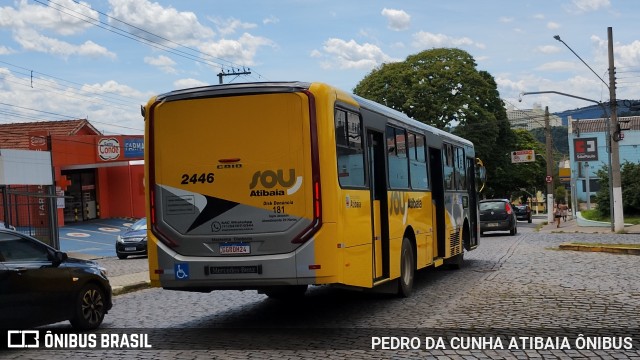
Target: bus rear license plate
[218, 270]
[235, 248]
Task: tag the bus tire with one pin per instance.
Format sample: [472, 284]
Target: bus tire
[288, 292]
[407, 269]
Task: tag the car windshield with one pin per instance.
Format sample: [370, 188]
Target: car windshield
[495, 205]
[521, 207]
[139, 225]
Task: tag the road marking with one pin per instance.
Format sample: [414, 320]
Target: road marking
[78, 234]
[81, 229]
[87, 241]
[109, 229]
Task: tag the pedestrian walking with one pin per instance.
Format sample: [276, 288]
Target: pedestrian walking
[563, 211]
[557, 213]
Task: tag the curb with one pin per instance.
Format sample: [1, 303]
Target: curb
[607, 249]
[119, 290]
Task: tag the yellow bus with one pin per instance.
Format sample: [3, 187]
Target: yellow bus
[276, 186]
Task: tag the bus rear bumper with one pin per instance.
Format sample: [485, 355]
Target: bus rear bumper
[203, 274]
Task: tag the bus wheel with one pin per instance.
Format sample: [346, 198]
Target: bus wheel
[407, 268]
[285, 292]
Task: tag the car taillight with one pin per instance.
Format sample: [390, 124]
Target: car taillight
[507, 208]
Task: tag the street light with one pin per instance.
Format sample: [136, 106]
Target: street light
[557, 37]
[611, 202]
[615, 189]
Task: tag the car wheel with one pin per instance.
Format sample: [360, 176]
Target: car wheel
[121, 256]
[89, 308]
[407, 268]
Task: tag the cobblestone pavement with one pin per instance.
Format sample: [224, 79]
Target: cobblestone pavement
[510, 286]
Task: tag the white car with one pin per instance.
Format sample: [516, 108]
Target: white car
[3, 226]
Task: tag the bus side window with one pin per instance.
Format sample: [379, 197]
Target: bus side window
[349, 149]
[397, 158]
[447, 153]
[418, 162]
[461, 174]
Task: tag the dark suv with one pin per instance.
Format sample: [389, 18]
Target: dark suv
[523, 212]
[40, 285]
[497, 215]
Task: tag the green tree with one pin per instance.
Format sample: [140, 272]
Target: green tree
[443, 88]
[560, 195]
[530, 175]
[629, 175]
[602, 195]
[559, 136]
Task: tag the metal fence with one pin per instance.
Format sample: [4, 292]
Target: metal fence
[31, 210]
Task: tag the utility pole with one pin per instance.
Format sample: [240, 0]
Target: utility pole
[616, 202]
[549, 158]
[231, 72]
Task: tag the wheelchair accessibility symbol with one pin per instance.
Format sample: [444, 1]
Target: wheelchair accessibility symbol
[181, 271]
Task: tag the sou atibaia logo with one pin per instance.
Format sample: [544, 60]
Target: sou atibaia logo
[108, 149]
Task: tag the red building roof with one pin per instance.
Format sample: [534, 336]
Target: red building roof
[16, 135]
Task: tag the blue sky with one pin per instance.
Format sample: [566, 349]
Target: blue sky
[62, 59]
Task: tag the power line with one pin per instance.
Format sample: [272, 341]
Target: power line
[141, 39]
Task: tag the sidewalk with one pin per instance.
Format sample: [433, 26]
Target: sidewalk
[571, 226]
[124, 275]
[124, 283]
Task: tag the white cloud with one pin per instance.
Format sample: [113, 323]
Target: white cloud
[179, 26]
[30, 40]
[398, 19]
[271, 20]
[425, 39]
[591, 5]
[241, 51]
[6, 51]
[64, 17]
[627, 55]
[188, 83]
[30, 22]
[539, 16]
[557, 66]
[231, 25]
[548, 49]
[552, 25]
[110, 106]
[162, 62]
[505, 19]
[184, 28]
[351, 55]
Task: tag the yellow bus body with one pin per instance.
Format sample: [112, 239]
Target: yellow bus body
[246, 191]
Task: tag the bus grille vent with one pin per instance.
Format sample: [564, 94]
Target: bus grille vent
[455, 243]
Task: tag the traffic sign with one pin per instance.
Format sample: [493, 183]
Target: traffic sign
[520, 156]
[549, 179]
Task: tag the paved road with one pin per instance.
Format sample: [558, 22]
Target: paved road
[510, 286]
[94, 238]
